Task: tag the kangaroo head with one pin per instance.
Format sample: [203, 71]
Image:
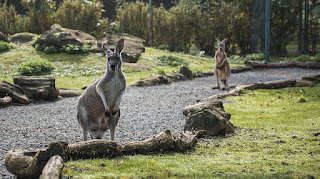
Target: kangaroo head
[222, 44]
[114, 59]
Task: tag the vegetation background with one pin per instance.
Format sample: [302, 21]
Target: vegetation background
[179, 25]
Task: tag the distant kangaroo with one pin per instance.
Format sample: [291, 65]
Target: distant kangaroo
[222, 69]
[98, 107]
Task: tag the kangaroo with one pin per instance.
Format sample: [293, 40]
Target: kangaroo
[98, 107]
[222, 69]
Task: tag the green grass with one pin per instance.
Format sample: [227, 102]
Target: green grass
[274, 139]
[78, 70]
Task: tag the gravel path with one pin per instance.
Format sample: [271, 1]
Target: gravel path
[145, 111]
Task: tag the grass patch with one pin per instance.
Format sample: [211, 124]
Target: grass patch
[275, 138]
[78, 70]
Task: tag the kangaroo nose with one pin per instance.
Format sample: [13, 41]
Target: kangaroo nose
[113, 67]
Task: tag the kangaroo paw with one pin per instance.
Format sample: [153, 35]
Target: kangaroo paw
[217, 87]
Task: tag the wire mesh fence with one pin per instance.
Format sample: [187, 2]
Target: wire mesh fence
[294, 27]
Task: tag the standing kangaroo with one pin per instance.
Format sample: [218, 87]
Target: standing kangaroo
[222, 69]
[98, 107]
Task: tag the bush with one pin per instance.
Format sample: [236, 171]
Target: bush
[302, 58]
[255, 57]
[171, 61]
[5, 46]
[75, 49]
[35, 67]
[317, 58]
[71, 49]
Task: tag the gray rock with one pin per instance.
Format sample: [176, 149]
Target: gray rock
[38, 88]
[24, 37]
[59, 36]
[134, 46]
[14, 91]
[208, 116]
[187, 73]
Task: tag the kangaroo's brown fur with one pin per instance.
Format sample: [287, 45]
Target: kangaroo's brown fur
[222, 69]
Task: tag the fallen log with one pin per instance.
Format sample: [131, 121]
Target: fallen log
[53, 168]
[30, 164]
[282, 64]
[15, 92]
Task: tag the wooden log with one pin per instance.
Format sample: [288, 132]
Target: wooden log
[34, 81]
[15, 92]
[282, 64]
[23, 164]
[53, 168]
[93, 149]
[241, 69]
[26, 164]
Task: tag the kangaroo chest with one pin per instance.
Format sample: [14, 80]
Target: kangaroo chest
[113, 89]
[220, 56]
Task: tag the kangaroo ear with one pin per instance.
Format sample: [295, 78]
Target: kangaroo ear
[224, 40]
[218, 40]
[106, 49]
[120, 45]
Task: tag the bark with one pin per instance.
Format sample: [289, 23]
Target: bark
[241, 69]
[30, 164]
[53, 168]
[283, 64]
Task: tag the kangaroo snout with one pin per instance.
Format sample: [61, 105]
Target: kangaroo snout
[113, 67]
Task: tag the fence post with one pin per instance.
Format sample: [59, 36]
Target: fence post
[151, 23]
[267, 31]
[306, 27]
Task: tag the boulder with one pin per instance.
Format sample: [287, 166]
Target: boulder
[14, 91]
[38, 88]
[152, 81]
[187, 73]
[208, 116]
[133, 48]
[3, 38]
[24, 37]
[59, 36]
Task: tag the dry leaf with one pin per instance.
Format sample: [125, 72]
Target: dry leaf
[118, 162]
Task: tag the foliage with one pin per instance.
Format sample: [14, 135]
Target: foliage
[83, 15]
[71, 49]
[4, 46]
[317, 57]
[302, 58]
[75, 49]
[255, 57]
[35, 67]
[275, 138]
[286, 21]
[172, 61]
[11, 22]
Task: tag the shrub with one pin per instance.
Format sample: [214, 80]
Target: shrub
[5, 46]
[71, 49]
[255, 57]
[302, 58]
[35, 67]
[75, 49]
[171, 61]
[317, 58]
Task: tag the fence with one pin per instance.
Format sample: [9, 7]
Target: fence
[294, 27]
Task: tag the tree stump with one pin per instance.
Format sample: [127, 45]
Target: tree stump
[38, 88]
